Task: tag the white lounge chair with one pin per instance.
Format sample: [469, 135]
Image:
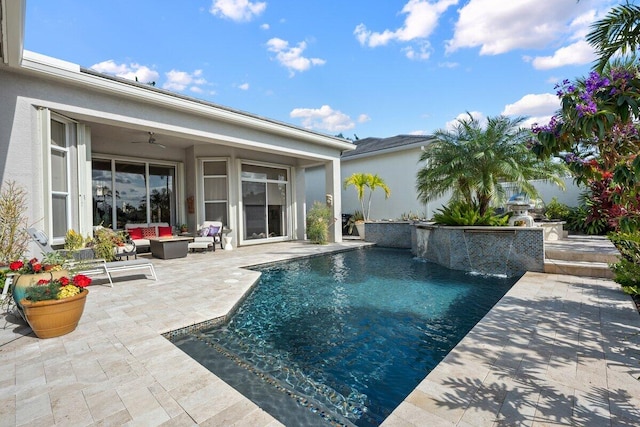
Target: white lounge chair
[217, 237]
[93, 267]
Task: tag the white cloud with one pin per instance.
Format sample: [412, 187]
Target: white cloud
[127, 71]
[363, 118]
[420, 52]
[291, 57]
[264, 27]
[244, 86]
[324, 118]
[497, 26]
[450, 125]
[578, 53]
[237, 10]
[448, 64]
[537, 107]
[180, 80]
[532, 105]
[422, 18]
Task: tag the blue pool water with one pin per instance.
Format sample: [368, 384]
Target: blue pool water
[344, 338]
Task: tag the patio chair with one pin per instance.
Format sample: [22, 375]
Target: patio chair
[96, 266]
[215, 231]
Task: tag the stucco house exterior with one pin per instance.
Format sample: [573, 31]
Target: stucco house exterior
[93, 149]
[396, 160]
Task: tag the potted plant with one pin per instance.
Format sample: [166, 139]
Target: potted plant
[54, 307]
[184, 228]
[27, 273]
[356, 220]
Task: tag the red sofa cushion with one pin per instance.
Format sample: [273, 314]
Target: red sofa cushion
[165, 231]
[135, 233]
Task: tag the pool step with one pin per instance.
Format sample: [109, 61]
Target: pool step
[578, 268]
[587, 256]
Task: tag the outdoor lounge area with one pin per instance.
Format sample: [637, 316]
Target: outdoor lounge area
[571, 357]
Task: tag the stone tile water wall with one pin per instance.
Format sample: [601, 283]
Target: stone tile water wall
[389, 234]
[487, 250]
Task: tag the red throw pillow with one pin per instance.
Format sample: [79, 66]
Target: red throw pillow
[148, 232]
[135, 233]
[165, 231]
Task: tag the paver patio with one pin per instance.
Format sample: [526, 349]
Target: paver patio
[556, 350]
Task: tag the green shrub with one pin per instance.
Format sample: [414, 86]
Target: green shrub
[628, 244]
[556, 210]
[627, 274]
[461, 213]
[581, 221]
[319, 218]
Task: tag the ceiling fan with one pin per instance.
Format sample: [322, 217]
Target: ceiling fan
[151, 141]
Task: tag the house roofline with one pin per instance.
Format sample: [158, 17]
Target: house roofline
[384, 151]
[12, 16]
[75, 75]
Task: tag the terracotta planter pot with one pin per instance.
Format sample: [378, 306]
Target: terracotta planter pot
[23, 281]
[53, 318]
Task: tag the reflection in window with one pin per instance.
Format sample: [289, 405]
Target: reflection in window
[264, 201]
[102, 192]
[161, 193]
[131, 194]
[120, 189]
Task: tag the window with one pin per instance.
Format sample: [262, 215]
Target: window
[132, 192]
[214, 185]
[264, 202]
[59, 177]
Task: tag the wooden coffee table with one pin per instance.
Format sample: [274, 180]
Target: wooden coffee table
[170, 247]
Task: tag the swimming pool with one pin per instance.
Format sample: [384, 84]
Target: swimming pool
[343, 337]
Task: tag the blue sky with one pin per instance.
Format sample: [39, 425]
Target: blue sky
[356, 67]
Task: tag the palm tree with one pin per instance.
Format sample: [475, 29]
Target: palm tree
[364, 181]
[618, 32]
[472, 160]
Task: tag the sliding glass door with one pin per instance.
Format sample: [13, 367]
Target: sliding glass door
[264, 202]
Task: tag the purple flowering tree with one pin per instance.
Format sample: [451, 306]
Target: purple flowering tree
[596, 132]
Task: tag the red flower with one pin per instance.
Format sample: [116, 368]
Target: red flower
[37, 267]
[16, 265]
[64, 280]
[81, 281]
[43, 282]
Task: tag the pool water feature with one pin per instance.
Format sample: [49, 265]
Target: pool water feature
[344, 338]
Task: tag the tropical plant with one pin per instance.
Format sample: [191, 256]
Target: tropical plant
[466, 214]
[366, 183]
[13, 222]
[618, 33]
[319, 218]
[472, 160]
[597, 134]
[104, 242]
[556, 210]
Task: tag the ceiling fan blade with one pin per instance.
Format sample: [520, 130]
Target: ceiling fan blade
[159, 145]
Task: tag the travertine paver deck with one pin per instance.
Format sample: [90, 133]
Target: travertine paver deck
[556, 350]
